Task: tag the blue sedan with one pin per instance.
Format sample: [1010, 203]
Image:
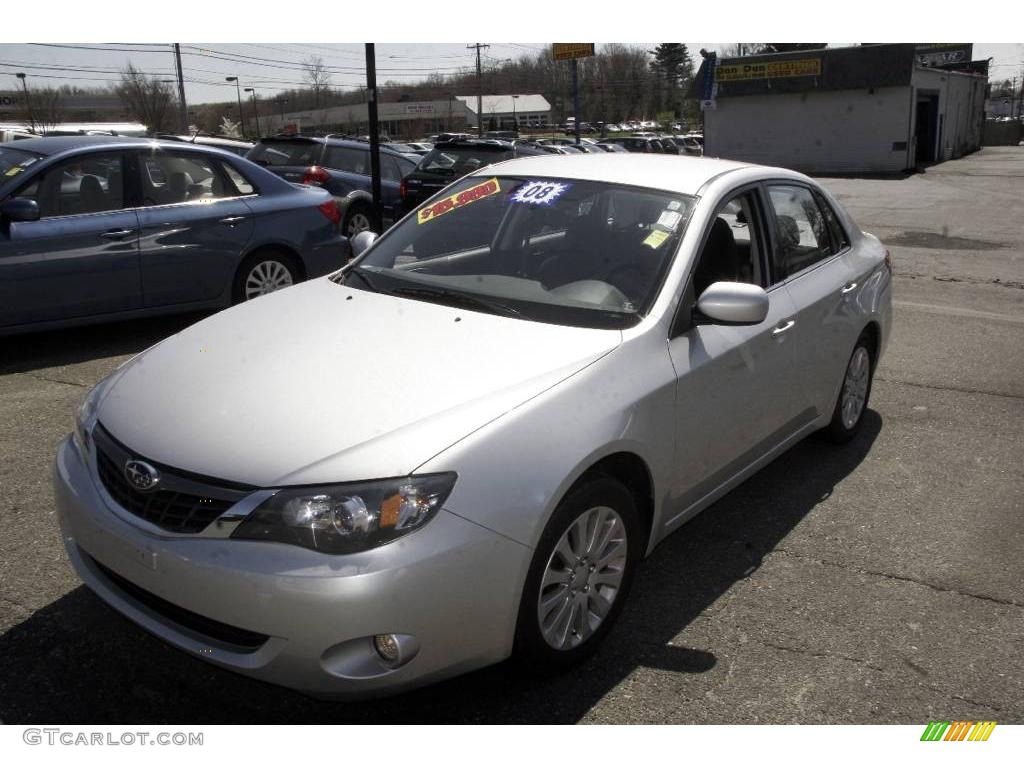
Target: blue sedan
[96, 228]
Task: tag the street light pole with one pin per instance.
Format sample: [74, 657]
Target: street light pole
[28, 101]
[515, 120]
[255, 110]
[238, 91]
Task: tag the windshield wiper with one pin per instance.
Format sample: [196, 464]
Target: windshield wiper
[457, 299]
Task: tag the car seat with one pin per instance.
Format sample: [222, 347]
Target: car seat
[91, 197]
[720, 259]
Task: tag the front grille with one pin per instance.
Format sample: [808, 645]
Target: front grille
[183, 505]
[241, 639]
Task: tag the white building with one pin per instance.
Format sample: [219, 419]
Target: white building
[508, 111]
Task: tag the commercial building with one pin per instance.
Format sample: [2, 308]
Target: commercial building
[871, 108]
[508, 111]
[407, 119]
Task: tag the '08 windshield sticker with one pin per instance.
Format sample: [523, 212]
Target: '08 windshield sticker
[542, 192]
[459, 199]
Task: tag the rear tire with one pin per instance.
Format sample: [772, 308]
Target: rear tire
[357, 219]
[852, 402]
[580, 574]
[264, 272]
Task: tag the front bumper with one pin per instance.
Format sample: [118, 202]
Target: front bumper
[454, 586]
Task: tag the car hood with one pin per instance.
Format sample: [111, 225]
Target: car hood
[325, 383]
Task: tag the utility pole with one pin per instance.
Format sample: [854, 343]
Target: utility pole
[28, 101]
[182, 110]
[238, 92]
[576, 99]
[255, 110]
[371, 108]
[479, 89]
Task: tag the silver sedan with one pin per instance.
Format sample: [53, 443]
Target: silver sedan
[462, 446]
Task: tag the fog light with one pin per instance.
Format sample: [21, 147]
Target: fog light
[387, 648]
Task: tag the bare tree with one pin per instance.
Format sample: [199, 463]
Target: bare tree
[46, 108]
[318, 77]
[146, 99]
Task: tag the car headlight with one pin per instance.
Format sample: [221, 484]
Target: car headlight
[348, 517]
[85, 420]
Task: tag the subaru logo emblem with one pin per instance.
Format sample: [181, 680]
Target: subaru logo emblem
[141, 476]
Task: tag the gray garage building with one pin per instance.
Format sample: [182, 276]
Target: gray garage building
[870, 108]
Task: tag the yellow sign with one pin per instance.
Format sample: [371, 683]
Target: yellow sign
[768, 70]
[459, 199]
[562, 51]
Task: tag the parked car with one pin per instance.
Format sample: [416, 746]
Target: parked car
[96, 228]
[236, 146]
[420, 147]
[668, 145]
[463, 445]
[449, 160]
[648, 144]
[342, 167]
[608, 146]
[15, 134]
[690, 144]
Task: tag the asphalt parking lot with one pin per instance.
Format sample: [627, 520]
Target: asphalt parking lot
[880, 582]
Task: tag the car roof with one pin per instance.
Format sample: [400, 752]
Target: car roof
[52, 145]
[675, 173]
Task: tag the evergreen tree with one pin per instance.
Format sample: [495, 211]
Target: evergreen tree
[673, 70]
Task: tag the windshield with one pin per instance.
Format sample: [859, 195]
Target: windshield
[460, 160]
[285, 153]
[562, 251]
[14, 162]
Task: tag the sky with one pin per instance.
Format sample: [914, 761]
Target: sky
[272, 67]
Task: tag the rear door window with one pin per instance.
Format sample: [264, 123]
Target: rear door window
[168, 178]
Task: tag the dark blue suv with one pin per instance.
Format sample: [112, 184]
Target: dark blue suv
[342, 167]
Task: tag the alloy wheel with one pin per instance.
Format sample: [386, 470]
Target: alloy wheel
[583, 578]
[266, 277]
[357, 223]
[855, 386]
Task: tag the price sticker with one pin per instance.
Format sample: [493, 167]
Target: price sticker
[543, 192]
[458, 200]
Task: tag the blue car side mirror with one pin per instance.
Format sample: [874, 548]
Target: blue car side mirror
[19, 209]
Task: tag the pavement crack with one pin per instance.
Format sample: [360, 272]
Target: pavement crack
[54, 380]
[820, 654]
[964, 390]
[896, 577]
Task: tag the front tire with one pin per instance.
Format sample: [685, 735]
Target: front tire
[580, 574]
[848, 413]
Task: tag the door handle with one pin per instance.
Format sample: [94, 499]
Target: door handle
[781, 328]
[232, 220]
[848, 287]
[117, 234]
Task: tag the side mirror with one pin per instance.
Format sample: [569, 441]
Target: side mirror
[362, 241]
[19, 209]
[733, 304]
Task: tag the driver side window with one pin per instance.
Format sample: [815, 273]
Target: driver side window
[732, 250]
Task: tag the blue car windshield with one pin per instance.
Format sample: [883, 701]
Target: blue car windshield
[553, 250]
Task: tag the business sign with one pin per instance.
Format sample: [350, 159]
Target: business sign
[563, 51]
[8, 101]
[419, 109]
[942, 54]
[708, 86]
[768, 70]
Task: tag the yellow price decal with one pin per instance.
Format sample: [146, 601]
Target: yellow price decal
[656, 238]
[459, 199]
